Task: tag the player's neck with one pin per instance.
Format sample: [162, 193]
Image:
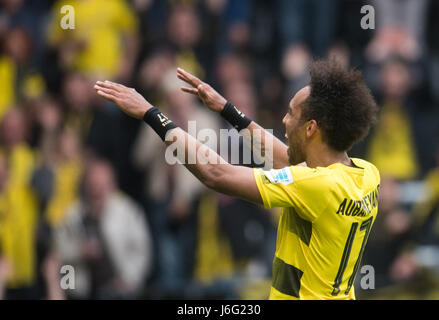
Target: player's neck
[323, 156]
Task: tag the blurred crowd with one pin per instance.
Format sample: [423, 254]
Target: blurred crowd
[81, 184]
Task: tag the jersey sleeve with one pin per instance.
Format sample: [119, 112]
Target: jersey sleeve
[300, 187]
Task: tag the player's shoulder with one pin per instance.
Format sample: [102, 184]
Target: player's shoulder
[326, 176]
[318, 177]
[368, 166]
[287, 175]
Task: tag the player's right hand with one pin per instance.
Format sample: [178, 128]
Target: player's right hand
[212, 99]
[127, 99]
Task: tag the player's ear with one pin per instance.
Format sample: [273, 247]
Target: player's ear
[311, 128]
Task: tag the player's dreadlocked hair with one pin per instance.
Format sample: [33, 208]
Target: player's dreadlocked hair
[340, 103]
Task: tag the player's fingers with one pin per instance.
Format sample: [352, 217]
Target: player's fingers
[117, 85]
[106, 90]
[105, 84]
[109, 85]
[114, 83]
[105, 87]
[186, 79]
[190, 90]
[106, 95]
[181, 77]
[191, 79]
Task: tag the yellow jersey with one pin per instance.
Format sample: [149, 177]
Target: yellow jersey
[327, 215]
[99, 29]
[18, 218]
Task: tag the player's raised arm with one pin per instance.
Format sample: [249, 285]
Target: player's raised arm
[217, 103]
[208, 166]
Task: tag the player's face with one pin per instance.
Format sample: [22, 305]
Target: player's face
[295, 129]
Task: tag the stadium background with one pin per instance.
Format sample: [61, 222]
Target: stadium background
[81, 184]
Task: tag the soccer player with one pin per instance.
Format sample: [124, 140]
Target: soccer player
[329, 201]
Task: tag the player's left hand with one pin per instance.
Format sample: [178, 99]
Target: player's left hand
[212, 99]
[128, 100]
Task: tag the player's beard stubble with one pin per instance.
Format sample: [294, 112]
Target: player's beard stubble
[295, 149]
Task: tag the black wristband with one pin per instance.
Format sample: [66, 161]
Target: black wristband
[160, 123]
[235, 117]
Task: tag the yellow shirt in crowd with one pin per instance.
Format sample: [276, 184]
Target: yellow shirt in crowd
[18, 218]
[99, 29]
[392, 148]
[65, 192]
[7, 84]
